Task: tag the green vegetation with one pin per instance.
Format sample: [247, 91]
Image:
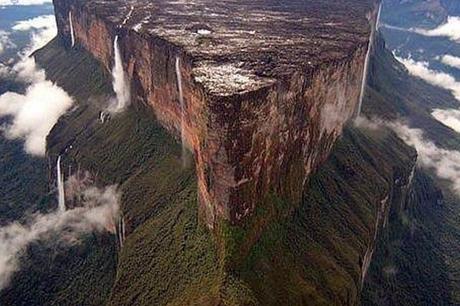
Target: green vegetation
[59, 274]
[51, 273]
[312, 256]
[417, 258]
[22, 177]
[287, 253]
[168, 257]
[24, 182]
[408, 267]
[308, 253]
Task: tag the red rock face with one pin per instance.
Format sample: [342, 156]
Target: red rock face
[267, 138]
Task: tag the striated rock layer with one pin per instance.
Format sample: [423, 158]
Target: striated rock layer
[268, 85]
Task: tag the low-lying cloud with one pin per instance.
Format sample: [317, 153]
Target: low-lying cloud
[23, 2]
[449, 117]
[5, 42]
[449, 29]
[450, 60]
[445, 163]
[42, 29]
[422, 70]
[40, 22]
[98, 213]
[34, 113]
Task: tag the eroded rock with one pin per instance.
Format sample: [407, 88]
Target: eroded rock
[267, 85]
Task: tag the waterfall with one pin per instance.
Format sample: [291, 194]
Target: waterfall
[60, 185]
[182, 109]
[120, 240]
[123, 229]
[72, 33]
[121, 234]
[366, 62]
[377, 23]
[120, 82]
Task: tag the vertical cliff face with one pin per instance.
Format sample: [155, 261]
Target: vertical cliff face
[267, 89]
[400, 188]
[320, 252]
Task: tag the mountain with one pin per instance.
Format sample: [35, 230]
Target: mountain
[234, 113]
[280, 198]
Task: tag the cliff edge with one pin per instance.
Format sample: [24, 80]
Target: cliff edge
[258, 90]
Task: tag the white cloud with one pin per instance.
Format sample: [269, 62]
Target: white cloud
[451, 60]
[23, 2]
[35, 112]
[98, 212]
[40, 22]
[445, 163]
[4, 40]
[448, 29]
[372, 124]
[449, 117]
[26, 71]
[42, 29]
[40, 38]
[437, 78]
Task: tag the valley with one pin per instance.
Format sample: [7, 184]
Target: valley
[244, 176]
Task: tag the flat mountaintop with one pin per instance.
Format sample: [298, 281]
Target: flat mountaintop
[239, 45]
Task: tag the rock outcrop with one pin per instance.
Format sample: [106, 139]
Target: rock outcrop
[267, 85]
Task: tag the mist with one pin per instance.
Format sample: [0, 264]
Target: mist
[97, 213]
[23, 2]
[445, 163]
[437, 78]
[5, 42]
[42, 29]
[449, 117]
[33, 113]
[450, 60]
[449, 29]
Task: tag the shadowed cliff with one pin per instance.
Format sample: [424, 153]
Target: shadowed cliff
[316, 251]
[168, 257]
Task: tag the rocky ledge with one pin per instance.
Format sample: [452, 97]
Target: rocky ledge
[267, 85]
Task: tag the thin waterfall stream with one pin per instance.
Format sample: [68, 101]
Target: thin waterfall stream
[60, 185]
[182, 109]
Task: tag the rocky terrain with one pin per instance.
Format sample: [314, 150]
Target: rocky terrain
[282, 199]
[257, 78]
